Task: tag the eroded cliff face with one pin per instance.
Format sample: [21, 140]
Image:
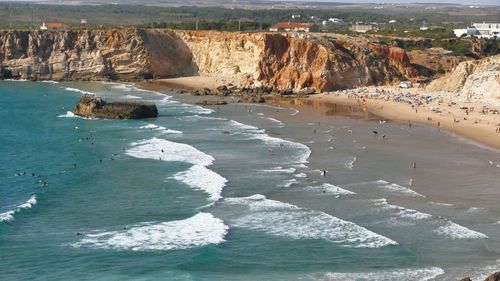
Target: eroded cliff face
[318, 62]
[93, 55]
[474, 81]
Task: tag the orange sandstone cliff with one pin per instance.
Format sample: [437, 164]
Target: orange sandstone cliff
[285, 61]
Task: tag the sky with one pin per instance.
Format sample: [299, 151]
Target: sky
[463, 2]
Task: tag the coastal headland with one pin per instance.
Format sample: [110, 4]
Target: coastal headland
[340, 69]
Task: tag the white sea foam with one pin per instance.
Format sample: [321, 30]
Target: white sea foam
[9, 215]
[350, 164]
[421, 274]
[331, 189]
[456, 231]
[122, 87]
[198, 231]
[287, 220]
[172, 151]
[300, 175]
[160, 128]
[401, 212]
[17, 80]
[78, 91]
[132, 97]
[70, 114]
[281, 124]
[303, 151]
[280, 170]
[50, 82]
[446, 227]
[401, 189]
[200, 177]
[243, 127]
[441, 204]
[289, 183]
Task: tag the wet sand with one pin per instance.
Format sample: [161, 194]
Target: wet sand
[475, 126]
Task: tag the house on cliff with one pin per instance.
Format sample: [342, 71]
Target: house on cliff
[363, 28]
[294, 26]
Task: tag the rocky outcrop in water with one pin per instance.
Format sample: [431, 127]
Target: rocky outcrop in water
[93, 106]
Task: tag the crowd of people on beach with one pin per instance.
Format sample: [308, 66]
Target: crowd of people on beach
[434, 103]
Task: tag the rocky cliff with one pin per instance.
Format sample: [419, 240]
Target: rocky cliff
[93, 55]
[477, 80]
[296, 62]
[321, 63]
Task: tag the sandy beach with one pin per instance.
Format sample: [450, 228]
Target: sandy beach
[191, 83]
[450, 115]
[440, 110]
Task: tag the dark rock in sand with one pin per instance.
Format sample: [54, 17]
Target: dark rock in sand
[211, 102]
[94, 106]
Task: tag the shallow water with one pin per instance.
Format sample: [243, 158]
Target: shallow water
[235, 193]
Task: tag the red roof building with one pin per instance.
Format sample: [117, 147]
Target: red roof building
[294, 26]
[53, 26]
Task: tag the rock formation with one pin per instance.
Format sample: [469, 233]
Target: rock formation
[122, 54]
[319, 62]
[473, 80]
[93, 106]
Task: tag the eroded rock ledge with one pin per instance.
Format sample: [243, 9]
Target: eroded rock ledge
[93, 106]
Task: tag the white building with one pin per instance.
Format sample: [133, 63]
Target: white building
[480, 30]
[335, 20]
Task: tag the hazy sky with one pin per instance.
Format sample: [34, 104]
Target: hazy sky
[463, 2]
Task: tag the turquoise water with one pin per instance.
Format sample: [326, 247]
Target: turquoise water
[229, 194]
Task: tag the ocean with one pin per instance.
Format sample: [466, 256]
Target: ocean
[235, 192]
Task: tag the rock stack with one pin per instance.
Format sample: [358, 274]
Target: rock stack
[93, 106]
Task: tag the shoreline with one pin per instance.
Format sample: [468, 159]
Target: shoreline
[472, 126]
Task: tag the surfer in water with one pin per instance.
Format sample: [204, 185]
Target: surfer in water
[323, 173]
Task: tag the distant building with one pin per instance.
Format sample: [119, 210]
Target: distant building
[50, 26]
[335, 20]
[294, 26]
[83, 23]
[363, 28]
[480, 30]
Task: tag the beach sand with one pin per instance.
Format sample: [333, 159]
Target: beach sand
[474, 125]
[190, 83]
[443, 112]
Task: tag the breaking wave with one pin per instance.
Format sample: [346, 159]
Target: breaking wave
[287, 220]
[200, 230]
